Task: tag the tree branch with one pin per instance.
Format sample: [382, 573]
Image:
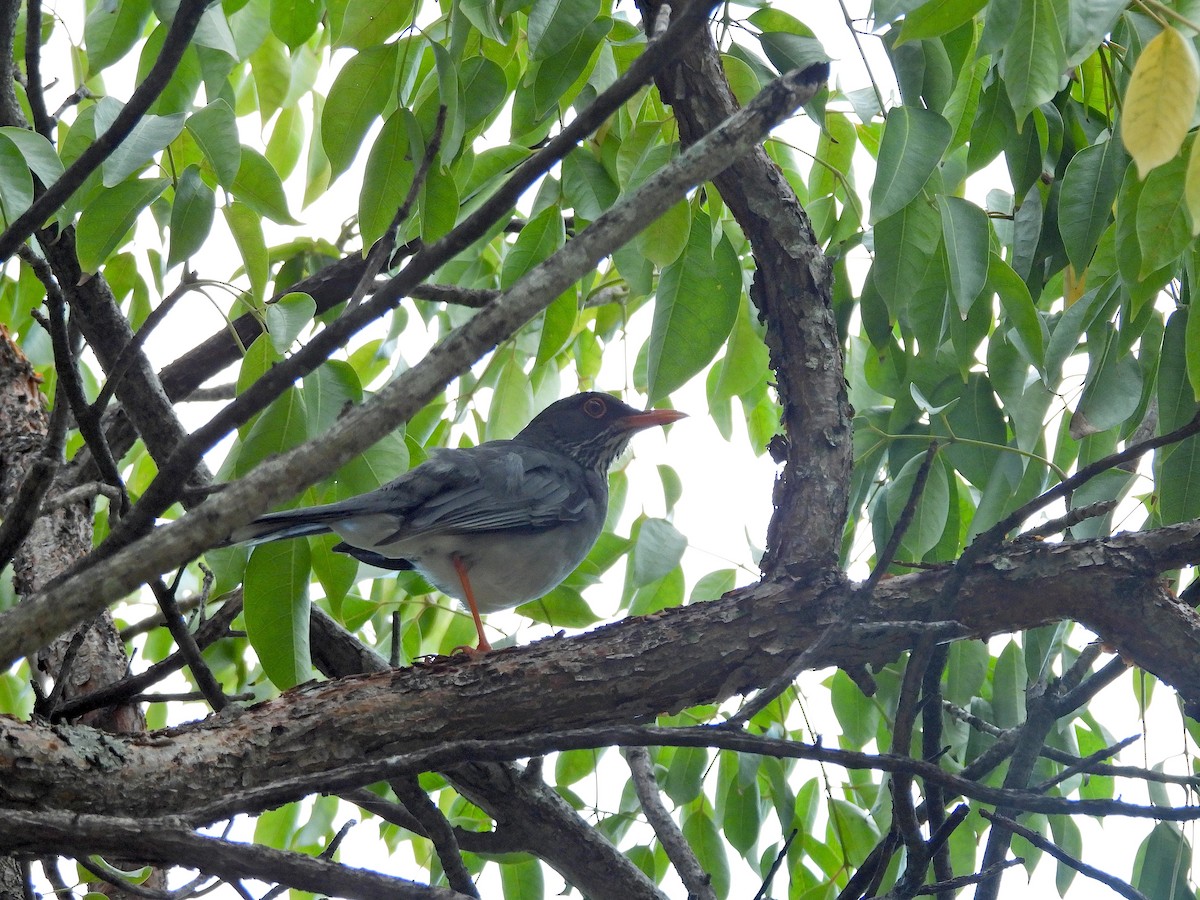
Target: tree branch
[164, 841]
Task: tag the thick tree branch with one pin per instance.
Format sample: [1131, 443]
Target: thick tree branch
[792, 289]
[733, 645]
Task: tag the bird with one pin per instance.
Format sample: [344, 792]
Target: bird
[494, 525]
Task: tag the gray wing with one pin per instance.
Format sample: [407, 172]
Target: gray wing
[495, 486]
[503, 485]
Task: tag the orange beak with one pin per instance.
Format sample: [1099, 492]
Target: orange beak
[652, 417]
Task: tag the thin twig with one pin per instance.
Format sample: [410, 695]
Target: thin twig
[129, 353]
[903, 522]
[1086, 764]
[445, 844]
[186, 641]
[765, 890]
[1110, 881]
[1072, 518]
[382, 251]
[33, 70]
[679, 851]
[212, 630]
[64, 672]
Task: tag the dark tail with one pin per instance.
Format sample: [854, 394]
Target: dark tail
[277, 526]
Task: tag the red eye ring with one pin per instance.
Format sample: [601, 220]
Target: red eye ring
[595, 407]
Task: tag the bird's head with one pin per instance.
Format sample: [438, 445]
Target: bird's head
[591, 427]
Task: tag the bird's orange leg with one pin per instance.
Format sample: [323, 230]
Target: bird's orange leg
[461, 569]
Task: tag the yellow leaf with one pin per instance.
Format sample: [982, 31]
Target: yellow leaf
[1160, 100]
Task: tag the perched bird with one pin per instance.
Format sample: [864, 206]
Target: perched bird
[494, 525]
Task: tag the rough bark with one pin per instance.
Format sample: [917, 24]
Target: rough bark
[627, 672]
[792, 289]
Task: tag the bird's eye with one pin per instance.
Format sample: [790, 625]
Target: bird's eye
[595, 407]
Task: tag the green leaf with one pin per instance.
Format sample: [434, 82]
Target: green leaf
[180, 92]
[701, 834]
[295, 21]
[657, 550]
[214, 128]
[287, 317]
[191, 216]
[563, 607]
[357, 97]
[328, 391]
[1008, 687]
[994, 126]
[150, 135]
[108, 217]
[788, 52]
[1018, 307]
[558, 324]
[16, 183]
[38, 152]
[1034, 57]
[554, 24]
[856, 713]
[933, 507]
[1163, 227]
[555, 74]
[447, 96]
[978, 419]
[389, 175]
[966, 670]
[914, 140]
[258, 185]
[905, 245]
[362, 24]
[853, 829]
[586, 184]
[1163, 863]
[383, 461]
[1085, 205]
[1177, 469]
[484, 89]
[685, 774]
[280, 427]
[541, 236]
[512, 404]
[522, 880]
[276, 610]
[246, 227]
[739, 809]
[1111, 394]
[287, 141]
[697, 303]
[937, 17]
[966, 236]
[439, 204]
[746, 361]
[572, 765]
[1088, 23]
[111, 30]
[666, 237]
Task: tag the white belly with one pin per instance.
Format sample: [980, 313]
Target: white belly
[505, 570]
